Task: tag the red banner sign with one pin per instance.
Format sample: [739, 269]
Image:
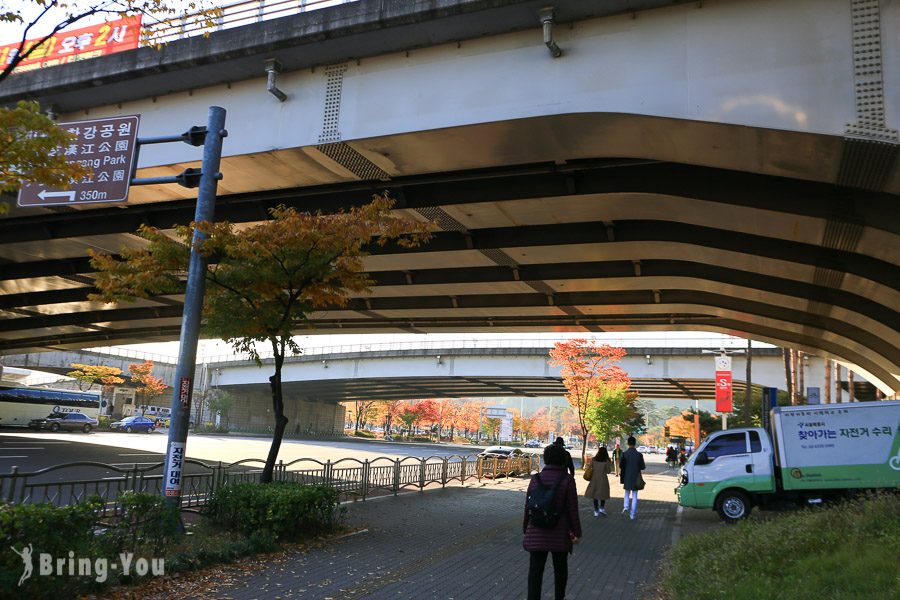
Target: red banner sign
[77, 44]
[723, 391]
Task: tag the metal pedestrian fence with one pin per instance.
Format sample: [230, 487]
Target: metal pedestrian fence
[70, 483]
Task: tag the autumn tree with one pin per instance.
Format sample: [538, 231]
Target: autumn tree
[469, 416]
[709, 422]
[265, 279]
[389, 410]
[148, 386]
[588, 369]
[409, 416]
[364, 409]
[451, 413]
[88, 375]
[679, 426]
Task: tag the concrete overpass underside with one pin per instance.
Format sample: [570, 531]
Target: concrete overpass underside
[590, 221]
[411, 388]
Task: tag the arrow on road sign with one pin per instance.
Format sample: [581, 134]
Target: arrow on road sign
[44, 194]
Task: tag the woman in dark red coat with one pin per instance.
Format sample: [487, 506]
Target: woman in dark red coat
[559, 539]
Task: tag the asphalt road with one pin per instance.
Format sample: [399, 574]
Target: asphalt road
[34, 450]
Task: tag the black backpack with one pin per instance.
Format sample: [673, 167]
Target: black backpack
[540, 504]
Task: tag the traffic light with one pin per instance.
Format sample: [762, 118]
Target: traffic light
[666, 431]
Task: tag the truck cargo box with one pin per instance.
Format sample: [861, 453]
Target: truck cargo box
[833, 446]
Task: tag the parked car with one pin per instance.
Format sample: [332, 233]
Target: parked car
[65, 421]
[132, 424]
[500, 452]
[533, 444]
[643, 449]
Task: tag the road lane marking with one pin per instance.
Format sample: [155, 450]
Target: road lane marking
[147, 453]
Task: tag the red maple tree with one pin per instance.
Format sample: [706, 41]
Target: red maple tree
[587, 368]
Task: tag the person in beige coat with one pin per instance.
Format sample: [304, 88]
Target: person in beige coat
[598, 488]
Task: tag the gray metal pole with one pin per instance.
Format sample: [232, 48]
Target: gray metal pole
[193, 303]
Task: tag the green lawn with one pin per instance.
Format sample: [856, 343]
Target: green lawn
[845, 551]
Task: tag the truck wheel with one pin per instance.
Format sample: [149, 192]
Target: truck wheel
[733, 506]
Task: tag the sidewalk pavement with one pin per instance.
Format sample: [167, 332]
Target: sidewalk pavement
[465, 543]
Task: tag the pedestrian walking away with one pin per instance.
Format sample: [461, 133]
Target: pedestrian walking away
[570, 464]
[598, 488]
[630, 468]
[617, 457]
[551, 524]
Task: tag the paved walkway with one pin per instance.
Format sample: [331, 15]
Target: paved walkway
[465, 543]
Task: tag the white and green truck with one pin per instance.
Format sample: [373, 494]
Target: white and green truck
[813, 454]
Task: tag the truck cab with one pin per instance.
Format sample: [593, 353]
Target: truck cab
[727, 473]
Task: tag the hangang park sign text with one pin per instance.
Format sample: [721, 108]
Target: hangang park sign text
[108, 148]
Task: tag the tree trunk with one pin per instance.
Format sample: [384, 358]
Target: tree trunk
[828, 368]
[837, 383]
[278, 407]
[745, 409]
[787, 373]
[801, 389]
[851, 393]
[584, 433]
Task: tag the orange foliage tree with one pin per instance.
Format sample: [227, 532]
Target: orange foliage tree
[265, 279]
[90, 374]
[678, 426]
[148, 385]
[588, 368]
[390, 411]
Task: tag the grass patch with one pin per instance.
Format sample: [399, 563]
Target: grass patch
[843, 551]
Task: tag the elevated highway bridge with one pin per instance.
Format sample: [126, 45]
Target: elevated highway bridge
[727, 166]
[488, 370]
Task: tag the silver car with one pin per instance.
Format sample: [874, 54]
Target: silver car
[74, 421]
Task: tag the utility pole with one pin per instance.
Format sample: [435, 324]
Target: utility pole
[193, 303]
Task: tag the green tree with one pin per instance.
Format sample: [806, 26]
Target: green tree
[266, 279]
[608, 413]
[220, 403]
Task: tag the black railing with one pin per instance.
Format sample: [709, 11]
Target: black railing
[353, 478]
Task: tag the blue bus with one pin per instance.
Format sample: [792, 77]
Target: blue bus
[21, 404]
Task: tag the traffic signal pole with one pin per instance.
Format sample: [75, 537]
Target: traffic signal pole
[193, 304]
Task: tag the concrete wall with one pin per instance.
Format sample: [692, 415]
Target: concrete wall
[252, 411]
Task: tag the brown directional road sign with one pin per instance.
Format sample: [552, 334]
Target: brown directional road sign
[108, 147]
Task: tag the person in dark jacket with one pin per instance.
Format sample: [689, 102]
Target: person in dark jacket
[570, 464]
[557, 541]
[630, 467]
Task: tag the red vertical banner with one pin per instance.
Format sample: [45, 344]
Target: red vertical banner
[723, 384]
